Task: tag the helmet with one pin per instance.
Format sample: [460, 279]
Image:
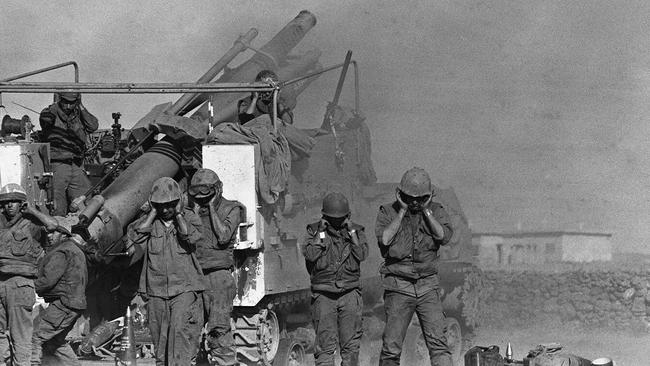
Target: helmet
[205, 177]
[12, 192]
[335, 205]
[267, 74]
[415, 182]
[165, 190]
[69, 97]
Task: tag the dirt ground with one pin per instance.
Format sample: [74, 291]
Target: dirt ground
[626, 349]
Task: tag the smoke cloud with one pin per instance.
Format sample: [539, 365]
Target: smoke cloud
[534, 111]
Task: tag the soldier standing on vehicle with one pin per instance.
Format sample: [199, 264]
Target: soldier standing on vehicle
[66, 125]
[258, 104]
[409, 231]
[334, 250]
[171, 279]
[221, 219]
[62, 279]
[21, 228]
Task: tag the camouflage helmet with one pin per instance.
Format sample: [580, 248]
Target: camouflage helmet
[205, 176]
[69, 96]
[335, 205]
[12, 192]
[165, 190]
[415, 182]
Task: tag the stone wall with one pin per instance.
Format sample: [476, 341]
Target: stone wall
[585, 295]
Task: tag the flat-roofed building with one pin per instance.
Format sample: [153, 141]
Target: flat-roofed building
[541, 247]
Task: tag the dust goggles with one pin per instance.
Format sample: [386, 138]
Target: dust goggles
[202, 189]
[409, 200]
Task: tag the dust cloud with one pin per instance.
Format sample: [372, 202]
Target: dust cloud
[534, 111]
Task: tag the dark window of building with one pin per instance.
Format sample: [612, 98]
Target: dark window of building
[499, 253]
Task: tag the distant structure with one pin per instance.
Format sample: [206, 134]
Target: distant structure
[504, 249]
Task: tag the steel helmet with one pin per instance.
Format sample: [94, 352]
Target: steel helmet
[205, 177]
[335, 205]
[415, 182]
[69, 96]
[165, 190]
[12, 192]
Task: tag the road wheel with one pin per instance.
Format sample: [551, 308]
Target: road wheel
[290, 353]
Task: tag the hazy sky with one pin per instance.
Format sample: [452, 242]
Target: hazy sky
[535, 111]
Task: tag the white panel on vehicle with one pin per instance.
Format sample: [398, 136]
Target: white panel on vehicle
[235, 165]
[11, 167]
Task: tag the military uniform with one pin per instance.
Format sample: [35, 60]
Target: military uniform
[62, 280]
[67, 135]
[333, 263]
[411, 283]
[20, 250]
[215, 255]
[172, 280]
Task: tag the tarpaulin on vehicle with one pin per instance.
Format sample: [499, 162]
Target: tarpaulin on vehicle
[299, 141]
[272, 175]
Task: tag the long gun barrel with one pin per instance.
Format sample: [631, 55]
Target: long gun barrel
[130, 190]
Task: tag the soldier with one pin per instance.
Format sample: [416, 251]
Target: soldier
[258, 104]
[221, 219]
[62, 279]
[66, 125]
[335, 247]
[20, 249]
[171, 278]
[409, 232]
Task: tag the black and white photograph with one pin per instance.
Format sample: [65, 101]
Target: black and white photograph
[320, 182]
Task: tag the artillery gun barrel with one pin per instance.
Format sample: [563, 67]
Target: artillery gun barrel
[240, 45]
[225, 105]
[269, 56]
[130, 190]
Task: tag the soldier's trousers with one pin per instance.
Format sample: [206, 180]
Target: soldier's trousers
[16, 302]
[70, 182]
[175, 324]
[52, 326]
[218, 302]
[337, 317]
[399, 310]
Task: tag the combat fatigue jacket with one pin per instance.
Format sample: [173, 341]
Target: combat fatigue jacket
[411, 257]
[215, 249]
[171, 276]
[20, 251]
[170, 266]
[215, 254]
[20, 247]
[334, 263]
[411, 282]
[67, 134]
[63, 275]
